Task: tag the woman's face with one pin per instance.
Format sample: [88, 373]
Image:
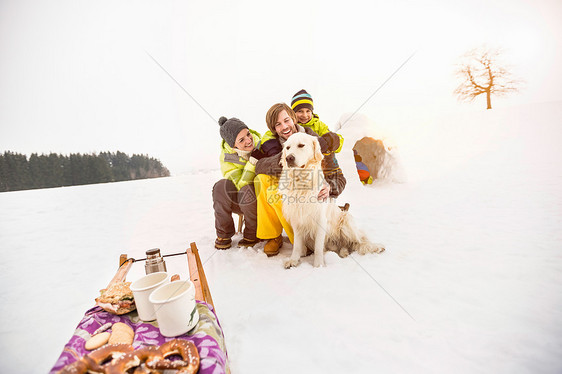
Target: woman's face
[285, 127]
[304, 115]
[244, 140]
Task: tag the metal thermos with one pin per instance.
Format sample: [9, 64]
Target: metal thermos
[154, 261]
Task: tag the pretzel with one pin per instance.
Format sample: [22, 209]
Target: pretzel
[189, 363]
[133, 359]
[123, 357]
[94, 362]
[102, 328]
[155, 358]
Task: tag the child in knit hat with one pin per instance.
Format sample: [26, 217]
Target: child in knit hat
[303, 106]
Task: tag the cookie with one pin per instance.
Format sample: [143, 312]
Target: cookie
[121, 334]
[97, 341]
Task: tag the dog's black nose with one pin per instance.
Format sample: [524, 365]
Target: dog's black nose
[290, 159]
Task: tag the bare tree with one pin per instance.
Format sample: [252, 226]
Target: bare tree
[483, 73]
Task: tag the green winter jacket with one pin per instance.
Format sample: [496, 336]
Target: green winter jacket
[236, 168]
[321, 128]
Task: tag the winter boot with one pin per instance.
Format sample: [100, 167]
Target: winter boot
[272, 246]
[223, 243]
[248, 242]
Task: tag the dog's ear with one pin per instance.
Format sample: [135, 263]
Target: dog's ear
[318, 156]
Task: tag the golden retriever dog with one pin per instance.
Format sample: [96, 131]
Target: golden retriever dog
[318, 224]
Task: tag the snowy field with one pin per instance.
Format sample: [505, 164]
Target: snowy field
[471, 281]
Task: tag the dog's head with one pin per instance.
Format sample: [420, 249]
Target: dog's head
[301, 151]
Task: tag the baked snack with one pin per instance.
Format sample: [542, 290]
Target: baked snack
[117, 299]
[102, 328]
[97, 361]
[155, 358]
[122, 358]
[97, 341]
[121, 333]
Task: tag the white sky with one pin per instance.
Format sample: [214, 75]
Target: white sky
[76, 76]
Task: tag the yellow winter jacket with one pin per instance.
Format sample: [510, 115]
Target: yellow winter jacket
[237, 168]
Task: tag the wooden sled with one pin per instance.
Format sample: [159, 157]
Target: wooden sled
[196, 274]
[207, 335]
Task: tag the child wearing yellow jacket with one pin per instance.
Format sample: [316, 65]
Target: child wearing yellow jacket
[303, 106]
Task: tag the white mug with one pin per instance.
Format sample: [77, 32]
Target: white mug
[142, 288]
[175, 307]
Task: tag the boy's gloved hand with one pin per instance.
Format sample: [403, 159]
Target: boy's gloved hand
[332, 141]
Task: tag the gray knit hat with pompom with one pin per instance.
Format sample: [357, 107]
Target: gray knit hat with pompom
[230, 128]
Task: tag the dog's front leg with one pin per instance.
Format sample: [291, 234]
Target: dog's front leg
[298, 250]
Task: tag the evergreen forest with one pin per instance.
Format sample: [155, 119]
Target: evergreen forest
[17, 172]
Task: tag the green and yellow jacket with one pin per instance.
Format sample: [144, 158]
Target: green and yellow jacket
[234, 163]
[321, 128]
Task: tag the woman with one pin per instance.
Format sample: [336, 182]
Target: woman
[282, 123]
[235, 193]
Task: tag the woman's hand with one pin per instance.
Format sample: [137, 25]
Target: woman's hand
[324, 192]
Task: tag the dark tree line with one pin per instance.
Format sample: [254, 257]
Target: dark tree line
[17, 172]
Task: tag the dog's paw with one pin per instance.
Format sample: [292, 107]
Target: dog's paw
[290, 263]
[319, 263]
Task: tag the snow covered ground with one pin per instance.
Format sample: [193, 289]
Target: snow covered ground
[471, 281]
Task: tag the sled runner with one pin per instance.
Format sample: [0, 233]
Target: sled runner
[207, 335]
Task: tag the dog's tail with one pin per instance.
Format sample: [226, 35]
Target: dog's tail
[349, 238]
[359, 241]
[364, 246]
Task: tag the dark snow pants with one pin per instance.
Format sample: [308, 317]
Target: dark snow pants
[227, 200]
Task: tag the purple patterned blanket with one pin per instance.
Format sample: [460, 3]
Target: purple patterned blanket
[207, 337]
